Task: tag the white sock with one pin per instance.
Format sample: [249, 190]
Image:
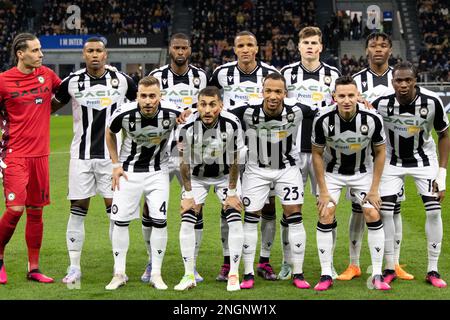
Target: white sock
[187, 241]
[268, 227]
[120, 244]
[375, 240]
[250, 241]
[387, 216]
[356, 232]
[146, 234]
[235, 241]
[158, 241]
[334, 234]
[224, 234]
[111, 223]
[398, 235]
[297, 238]
[433, 229]
[198, 236]
[75, 235]
[324, 246]
[284, 235]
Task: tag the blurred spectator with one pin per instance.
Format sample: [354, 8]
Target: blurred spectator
[275, 24]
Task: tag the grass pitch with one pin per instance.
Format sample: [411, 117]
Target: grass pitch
[97, 259]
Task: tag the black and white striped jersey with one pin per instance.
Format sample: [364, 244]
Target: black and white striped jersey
[145, 142]
[409, 127]
[93, 102]
[211, 151]
[271, 140]
[181, 89]
[347, 143]
[371, 85]
[314, 88]
[238, 86]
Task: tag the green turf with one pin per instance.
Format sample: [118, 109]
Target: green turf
[97, 260]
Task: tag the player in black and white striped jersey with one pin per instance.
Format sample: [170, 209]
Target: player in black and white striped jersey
[342, 138]
[241, 81]
[271, 126]
[311, 82]
[96, 92]
[209, 144]
[410, 114]
[142, 168]
[180, 83]
[372, 82]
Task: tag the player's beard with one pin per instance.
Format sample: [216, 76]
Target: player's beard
[178, 62]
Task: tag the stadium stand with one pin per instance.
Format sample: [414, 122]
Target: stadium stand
[13, 15]
[275, 24]
[434, 58]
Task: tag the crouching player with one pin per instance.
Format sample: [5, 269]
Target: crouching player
[342, 136]
[209, 144]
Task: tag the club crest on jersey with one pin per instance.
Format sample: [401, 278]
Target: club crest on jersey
[327, 80]
[114, 82]
[196, 81]
[166, 123]
[223, 135]
[423, 111]
[11, 196]
[364, 129]
[41, 79]
[290, 117]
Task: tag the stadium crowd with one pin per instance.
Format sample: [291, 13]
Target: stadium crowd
[434, 59]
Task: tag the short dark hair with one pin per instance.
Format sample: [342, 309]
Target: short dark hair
[20, 43]
[95, 39]
[404, 65]
[376, 35]
[245, 33]
[210, 91]
[181, 36]
[148, 81]
[344, 80]
[275, 76]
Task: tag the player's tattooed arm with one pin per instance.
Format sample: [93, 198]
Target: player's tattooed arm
[187, 199]
[232, 199]
[373, 196]
[444, 149]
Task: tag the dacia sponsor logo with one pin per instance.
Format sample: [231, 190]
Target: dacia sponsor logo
[181, 93]
[349, 140]
[24, 93]
[312, 88]
[97, 94]
[242, 89]
[266, 126]
[406, 122]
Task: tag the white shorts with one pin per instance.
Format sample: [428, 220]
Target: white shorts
[358, 185]
[307, 169]
[155, 187]
[256, 186]
[89, 177]
[393, 179]
[200, 188]
[401, 196]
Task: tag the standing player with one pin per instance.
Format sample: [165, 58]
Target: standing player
[311, 82]
[342, 136]
[271, 127]
[25, 94]
[209, 147]
[410, 113]
[372, 82]
[241, 81]
[95, 92]
[180, 83]
[141, 169]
